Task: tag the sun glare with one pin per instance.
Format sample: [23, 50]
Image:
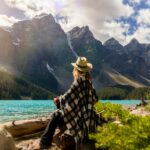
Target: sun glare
[59, 4]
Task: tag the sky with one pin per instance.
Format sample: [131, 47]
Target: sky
[121, 19]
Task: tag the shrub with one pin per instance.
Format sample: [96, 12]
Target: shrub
[132, 133]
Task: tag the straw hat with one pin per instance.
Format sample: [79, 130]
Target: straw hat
[82, 64]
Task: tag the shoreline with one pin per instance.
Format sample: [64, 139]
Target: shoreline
[44, 110]
[17, 122]
[27, 119]
[131, 108]
[26, 133]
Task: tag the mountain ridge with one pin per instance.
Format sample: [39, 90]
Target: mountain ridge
[39, 49]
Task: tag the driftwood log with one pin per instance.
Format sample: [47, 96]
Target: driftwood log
[26, 127]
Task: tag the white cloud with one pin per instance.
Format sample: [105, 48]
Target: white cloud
[144, 17]
[142, 35]
[100, 11]
[113, 29]
[134, 1]
[98, 15]
[7, 21]
[148, 2]
[32, 8]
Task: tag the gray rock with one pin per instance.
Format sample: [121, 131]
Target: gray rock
[65, 141]
[6, 140]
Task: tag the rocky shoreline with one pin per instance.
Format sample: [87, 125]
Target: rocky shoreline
[25, 134]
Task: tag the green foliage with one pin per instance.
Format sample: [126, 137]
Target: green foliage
[139, 93]
[112, 93]
[132, 133]
[124, 92]
[147, 107]
[12, 87]
[147, 95]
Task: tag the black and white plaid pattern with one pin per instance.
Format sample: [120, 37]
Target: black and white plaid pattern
[77, 107]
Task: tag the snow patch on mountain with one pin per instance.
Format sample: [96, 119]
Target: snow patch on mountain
[7, 29]
[70, 45]
[16, 44]
[50, 69]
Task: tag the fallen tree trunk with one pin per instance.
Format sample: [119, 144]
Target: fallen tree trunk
[26, 127]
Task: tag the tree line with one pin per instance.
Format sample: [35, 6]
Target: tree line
[12, 87]
[124, 92]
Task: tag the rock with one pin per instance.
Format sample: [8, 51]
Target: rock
[32, 144]
[140, 112]
[6, 140]
[27, 135]
[61, 141]
[87, 146]
[64, 140]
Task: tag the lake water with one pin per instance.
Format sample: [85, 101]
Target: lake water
[27, 109]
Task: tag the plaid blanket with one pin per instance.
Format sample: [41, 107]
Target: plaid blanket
[77, 108]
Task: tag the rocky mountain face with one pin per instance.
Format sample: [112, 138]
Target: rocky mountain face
[112, 57]
[84, 43]
[39, 47]
[41, 52]
[6, 47]
[113, 44]
[133, 60]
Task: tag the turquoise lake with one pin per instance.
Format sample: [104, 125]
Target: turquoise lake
[27, 109]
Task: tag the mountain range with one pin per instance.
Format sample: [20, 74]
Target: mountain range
[41, 52]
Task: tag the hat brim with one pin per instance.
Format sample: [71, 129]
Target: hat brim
[85, 69]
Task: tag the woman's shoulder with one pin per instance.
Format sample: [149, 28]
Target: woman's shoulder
[79, 81]
[83, 79]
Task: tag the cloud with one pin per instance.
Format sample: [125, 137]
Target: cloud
[32, 8]
[142, 35]
[148, 2]
[100, 11]
[99, 16]
[113, 29]
[7, 21]
[134, 1]
[144, 17]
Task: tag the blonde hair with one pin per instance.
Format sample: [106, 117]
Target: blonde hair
[77, 74]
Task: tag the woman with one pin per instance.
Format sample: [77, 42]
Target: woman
[76, 106]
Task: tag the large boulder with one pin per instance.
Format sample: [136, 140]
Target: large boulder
[6, 140]
[65, 141]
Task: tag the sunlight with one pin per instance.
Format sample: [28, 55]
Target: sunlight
[7, 21]
[59, 4]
